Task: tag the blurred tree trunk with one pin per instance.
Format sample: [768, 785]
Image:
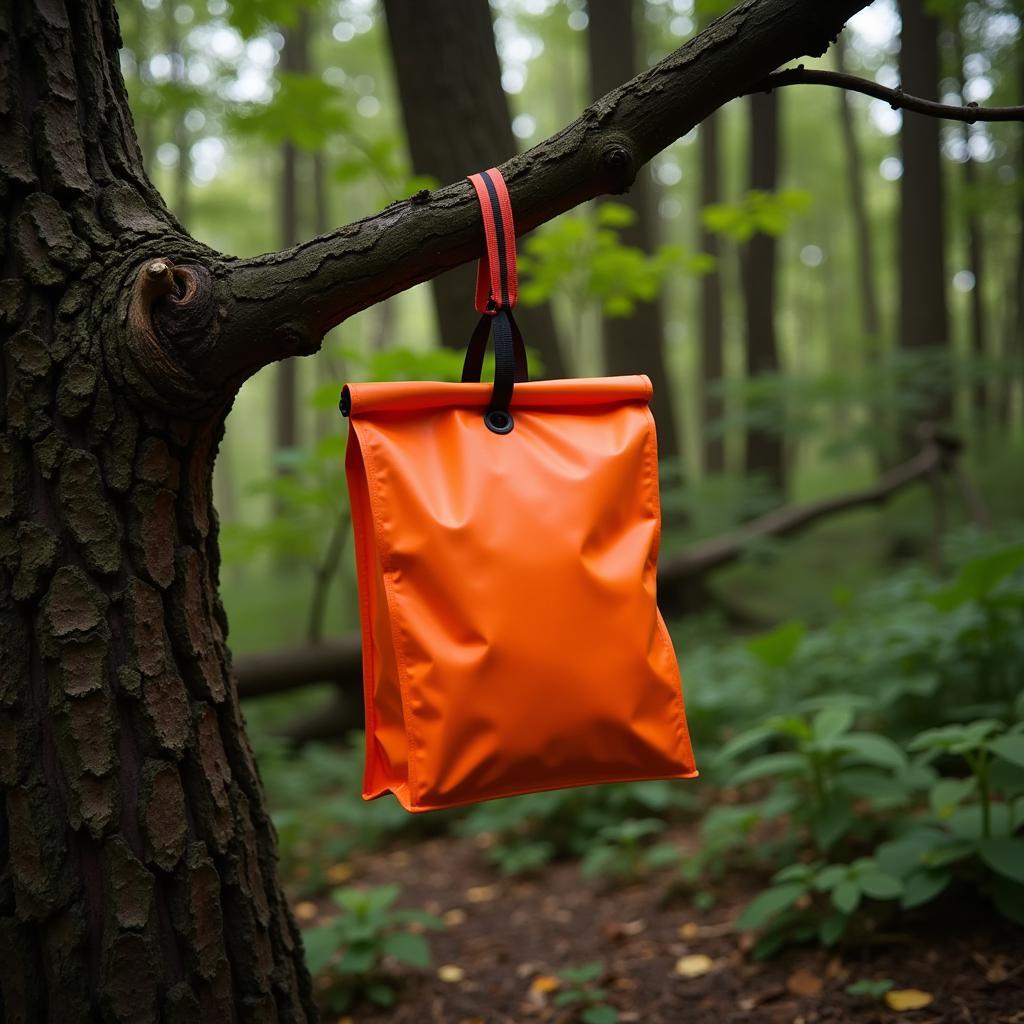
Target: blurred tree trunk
[712, 333]
[871, 319]
[975, 260]
[179, 131]
[923, 310]
[1014, 346]
[294, 60]
[633, 344]
[457, 122]
[137, 857]
[765, 447]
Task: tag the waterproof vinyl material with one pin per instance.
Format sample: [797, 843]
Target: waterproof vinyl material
[511, 636]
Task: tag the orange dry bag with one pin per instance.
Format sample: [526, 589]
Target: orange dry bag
[506, 546]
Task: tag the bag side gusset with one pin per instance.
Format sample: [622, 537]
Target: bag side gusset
[386, 733]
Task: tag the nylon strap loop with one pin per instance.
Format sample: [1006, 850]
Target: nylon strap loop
[497, 284]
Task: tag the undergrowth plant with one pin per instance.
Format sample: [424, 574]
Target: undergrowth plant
[351, 951]
[581, 992]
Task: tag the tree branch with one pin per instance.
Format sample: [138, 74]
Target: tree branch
[896, 98]
[281, 304]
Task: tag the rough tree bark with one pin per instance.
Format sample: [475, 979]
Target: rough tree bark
[457, 121]
[765, 447]
[633, 344]
[923, 311]
[137, 858]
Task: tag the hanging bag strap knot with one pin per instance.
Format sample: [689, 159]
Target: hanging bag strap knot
[497, 291]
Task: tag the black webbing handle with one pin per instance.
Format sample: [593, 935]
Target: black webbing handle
[496, 294]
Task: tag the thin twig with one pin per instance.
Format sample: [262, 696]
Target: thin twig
[896, 98]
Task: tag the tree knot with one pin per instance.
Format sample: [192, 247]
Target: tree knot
[618, 162]
[171, 324]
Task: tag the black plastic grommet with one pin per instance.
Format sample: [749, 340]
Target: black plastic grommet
[345, 403]
[498, 421]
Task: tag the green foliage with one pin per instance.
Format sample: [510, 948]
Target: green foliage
[588, 1000]
[318, 811]
[868, 988]
[934, 806]
[584, 258]
[765, 213]
[349, 952]
[525, 832]
[620, 850]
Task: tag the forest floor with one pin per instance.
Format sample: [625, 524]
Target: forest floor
[506, 941]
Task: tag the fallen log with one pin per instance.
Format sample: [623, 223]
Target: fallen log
[681, 576]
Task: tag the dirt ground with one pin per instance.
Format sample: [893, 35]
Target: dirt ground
[506, 939]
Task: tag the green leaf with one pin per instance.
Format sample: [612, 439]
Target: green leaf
[922, 886]
[600, 1014]
[978, 578]
[407, 948]
[872, 749]
[745, 741]
[948, 794]
[831, 929]
[581, 975]
[1009, 748]
[358, 958]
[830, 825]
[880, 886]
[1008, 897]
[381, 994]
[777, 648]
[846, 896]
[781, 763]
[832, 722]
[870, 988]
[1005, 856]
[321, 944]
[769, 903]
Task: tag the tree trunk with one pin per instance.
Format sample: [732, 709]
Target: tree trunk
[294, 60]
[137, 858]
[871, 318]
[923, 315]
[976, 265]
[457, 122]
[179, 131]
[712, 333]
[633, 344]
[765, 447]
[1014, 341]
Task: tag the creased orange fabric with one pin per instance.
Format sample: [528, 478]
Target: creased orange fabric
[511, 636]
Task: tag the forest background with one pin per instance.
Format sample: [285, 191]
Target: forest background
[821, 287]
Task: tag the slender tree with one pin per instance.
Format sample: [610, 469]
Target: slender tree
[633, 344]
[712, 328]
[765, 446]
[975, 253]
[923, 311]
[179, 130]
[137, 859]
[294, 60]
[870, 310]
[457, 121]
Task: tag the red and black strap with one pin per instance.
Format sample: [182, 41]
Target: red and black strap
[497, 289]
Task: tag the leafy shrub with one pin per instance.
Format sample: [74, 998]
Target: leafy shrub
[580, 992]
[907, 812]
[528, 831]
[350, 951]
